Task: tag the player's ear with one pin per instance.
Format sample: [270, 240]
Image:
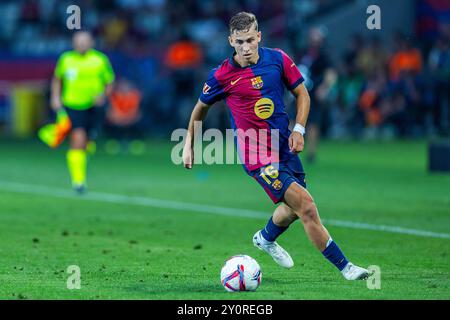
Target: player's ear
[230, 40]
[259, 36]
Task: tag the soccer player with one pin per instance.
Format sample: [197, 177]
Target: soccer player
[252, 82]
[82, 81]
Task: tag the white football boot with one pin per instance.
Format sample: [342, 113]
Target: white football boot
[276, 252]
[352, 272]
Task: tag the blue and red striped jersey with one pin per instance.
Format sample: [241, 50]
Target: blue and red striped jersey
[254, 96]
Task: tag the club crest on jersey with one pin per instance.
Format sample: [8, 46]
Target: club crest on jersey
[257, 82]
[206, 89]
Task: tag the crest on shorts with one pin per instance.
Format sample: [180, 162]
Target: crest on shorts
[257, 82]
[277, 184]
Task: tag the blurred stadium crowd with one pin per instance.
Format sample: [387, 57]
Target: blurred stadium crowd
[162, 50]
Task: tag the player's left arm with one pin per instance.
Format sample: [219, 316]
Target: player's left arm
[293, 80]
[101, 99]
[108, 78]
[302, 102]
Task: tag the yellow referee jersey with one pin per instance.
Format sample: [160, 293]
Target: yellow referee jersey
[84, 77]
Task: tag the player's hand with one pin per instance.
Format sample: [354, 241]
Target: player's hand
[296, 142]
[188, 156]
[55, 103]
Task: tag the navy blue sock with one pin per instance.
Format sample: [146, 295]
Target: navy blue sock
[335, 255]
[271, 231]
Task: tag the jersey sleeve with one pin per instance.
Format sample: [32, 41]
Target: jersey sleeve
[291, 75]
[108, 72]
[212, 90]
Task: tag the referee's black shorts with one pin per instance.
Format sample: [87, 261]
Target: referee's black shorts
[90, 120]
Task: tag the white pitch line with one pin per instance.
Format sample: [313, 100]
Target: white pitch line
[178, 205]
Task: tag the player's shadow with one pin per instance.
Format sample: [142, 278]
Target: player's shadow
[169, 289]
[148, 288]
[275, 281]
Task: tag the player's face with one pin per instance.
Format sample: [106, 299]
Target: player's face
[82, 42]
[246, 45]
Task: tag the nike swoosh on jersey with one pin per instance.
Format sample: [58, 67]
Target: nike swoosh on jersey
[235, 81]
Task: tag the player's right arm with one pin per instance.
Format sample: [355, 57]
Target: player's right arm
[55, 99]
[211, 93]
[198, 114]
[56, 85]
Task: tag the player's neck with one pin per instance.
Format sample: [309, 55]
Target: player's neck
[244, 63]
[83, 52]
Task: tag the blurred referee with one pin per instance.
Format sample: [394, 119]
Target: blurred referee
[82, 81]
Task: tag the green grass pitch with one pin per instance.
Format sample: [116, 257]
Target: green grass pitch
[130, 246]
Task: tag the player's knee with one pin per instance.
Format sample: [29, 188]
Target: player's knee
[78, 139]
[308, 210]
[290, 214]
[294, 216]
[291, 217]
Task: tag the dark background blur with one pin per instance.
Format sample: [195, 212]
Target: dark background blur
[364, 84]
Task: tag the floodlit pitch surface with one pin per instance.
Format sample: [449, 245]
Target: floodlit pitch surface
[148, 229]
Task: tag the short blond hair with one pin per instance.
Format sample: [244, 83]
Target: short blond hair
[243, 21]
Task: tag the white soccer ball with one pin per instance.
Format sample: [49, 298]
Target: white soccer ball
[241, 273]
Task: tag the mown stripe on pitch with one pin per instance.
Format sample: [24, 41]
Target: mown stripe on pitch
[203, 208]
